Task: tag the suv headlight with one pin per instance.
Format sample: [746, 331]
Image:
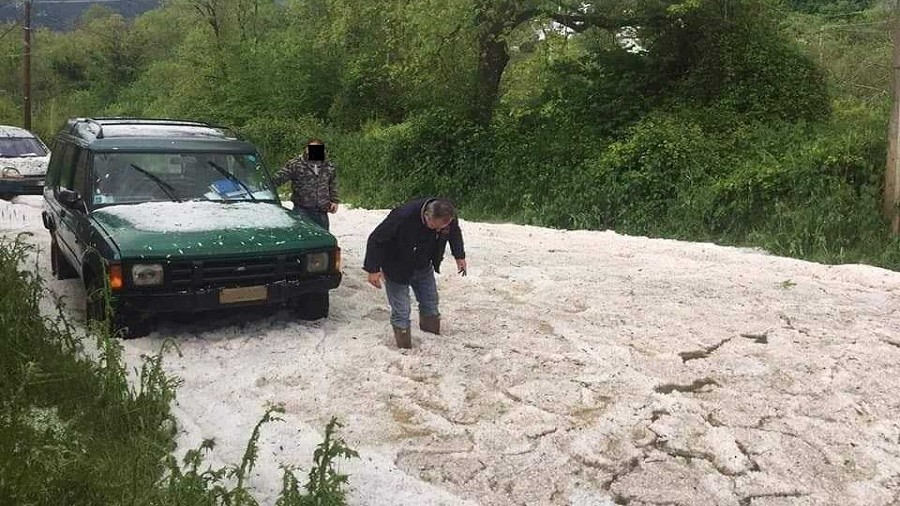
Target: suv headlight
[317, 263]
[147, 274]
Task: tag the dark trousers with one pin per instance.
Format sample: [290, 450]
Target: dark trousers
[316, 215]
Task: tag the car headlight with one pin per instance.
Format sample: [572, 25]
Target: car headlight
[147, 274]
[317, 263]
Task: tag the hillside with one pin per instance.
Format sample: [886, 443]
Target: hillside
[60, 15]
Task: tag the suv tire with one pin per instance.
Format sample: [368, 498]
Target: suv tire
[312, 306]
[59, 266]
[119, 323]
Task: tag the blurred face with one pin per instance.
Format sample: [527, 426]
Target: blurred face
[315, 150]
[437, 223]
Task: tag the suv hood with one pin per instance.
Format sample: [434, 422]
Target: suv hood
[169, 230]
[26, 165]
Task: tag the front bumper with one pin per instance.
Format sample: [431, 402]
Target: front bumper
[194, 301]
[26, 185]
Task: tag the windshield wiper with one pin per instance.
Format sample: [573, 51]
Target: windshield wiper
[231, 177]
[166, 187]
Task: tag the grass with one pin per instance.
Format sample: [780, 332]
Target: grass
[75, 429]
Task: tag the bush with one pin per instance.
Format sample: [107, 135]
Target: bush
[279, 139]
[734, 55]
[648, 182]
[812, 192]
[77, 430]
[72, 431]
[10, 113]
[433, 153]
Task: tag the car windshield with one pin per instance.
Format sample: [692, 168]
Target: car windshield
[119, 178]
[17, 147]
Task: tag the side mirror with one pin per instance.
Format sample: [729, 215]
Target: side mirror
[68, 198]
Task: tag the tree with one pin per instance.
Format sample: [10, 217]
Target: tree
[495, 20]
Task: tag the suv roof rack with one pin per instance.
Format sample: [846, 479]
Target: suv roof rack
[94, 125]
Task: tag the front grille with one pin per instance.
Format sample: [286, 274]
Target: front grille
[227, 273]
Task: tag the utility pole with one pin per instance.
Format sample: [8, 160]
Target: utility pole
[26, 68]
[891, 205]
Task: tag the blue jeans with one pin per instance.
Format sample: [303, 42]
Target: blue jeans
[425, 289]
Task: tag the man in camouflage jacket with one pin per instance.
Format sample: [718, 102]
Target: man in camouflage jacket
[313, 187]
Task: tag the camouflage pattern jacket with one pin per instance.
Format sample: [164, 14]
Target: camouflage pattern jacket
[312, 183]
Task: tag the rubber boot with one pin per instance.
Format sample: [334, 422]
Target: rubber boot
[430, 323]
[403, 337]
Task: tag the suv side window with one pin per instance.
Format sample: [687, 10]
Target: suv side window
[82, 166]
[66, 167]
[55, 165]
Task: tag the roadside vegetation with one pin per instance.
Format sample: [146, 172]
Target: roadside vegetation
[75, 429]
[742, 122]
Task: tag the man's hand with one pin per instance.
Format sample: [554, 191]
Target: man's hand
[332, 208]
[375, 279]
[461, 266]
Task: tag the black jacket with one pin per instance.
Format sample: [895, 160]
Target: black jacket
[403, 243]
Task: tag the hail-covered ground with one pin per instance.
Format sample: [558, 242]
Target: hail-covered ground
[576, 368]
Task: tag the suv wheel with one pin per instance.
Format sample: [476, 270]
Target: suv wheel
[119, 322]
[60, 267]
[312, 306]
[132, 327]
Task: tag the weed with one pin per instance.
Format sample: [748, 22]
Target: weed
[75, 429]
[325, 484]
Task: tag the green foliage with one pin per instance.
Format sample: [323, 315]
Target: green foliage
[188, 485]
[281, 139]
[367, 174]
[649, 182]
[432, 153]
[810, 192]
[66, 421]
[605, 91]
[830, 7]
[78, 430]
[368, 93]
[738, 121]
[325, 485]
[538, 155]
[734, 55]
[10, 114]
[854, 51]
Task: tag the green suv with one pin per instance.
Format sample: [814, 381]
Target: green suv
[169, 216]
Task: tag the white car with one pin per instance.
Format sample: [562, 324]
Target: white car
[23, 162]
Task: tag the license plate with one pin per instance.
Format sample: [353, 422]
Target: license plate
[243, 294]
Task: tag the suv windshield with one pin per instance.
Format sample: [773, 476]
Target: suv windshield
[15, 147]
[144, 177]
